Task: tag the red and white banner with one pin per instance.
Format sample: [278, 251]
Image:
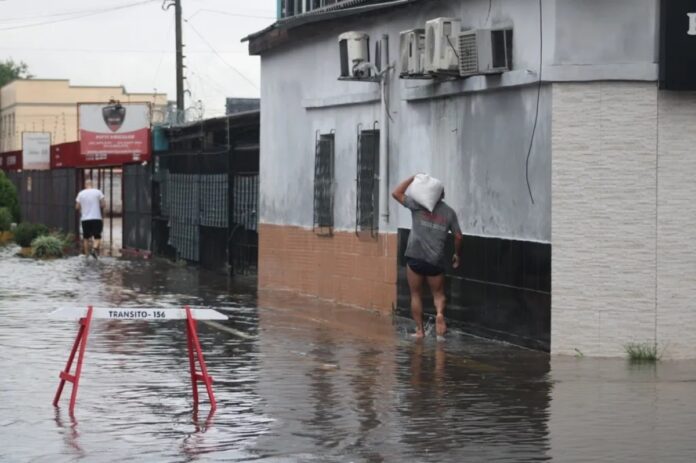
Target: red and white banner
[114, 129]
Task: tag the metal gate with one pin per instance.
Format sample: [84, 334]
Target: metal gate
[244, 238]
[48, 197]
[137, 207]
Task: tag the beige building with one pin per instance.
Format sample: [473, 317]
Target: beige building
[50, 105]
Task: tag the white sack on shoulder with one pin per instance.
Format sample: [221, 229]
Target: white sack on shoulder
[425, 190]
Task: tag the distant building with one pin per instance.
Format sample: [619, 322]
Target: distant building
[241, 105]
[50, 105]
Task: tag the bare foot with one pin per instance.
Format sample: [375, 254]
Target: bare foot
[418, 334]
[440, 326]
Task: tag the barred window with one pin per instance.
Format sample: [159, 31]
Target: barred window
[324, 183]
[367, 203]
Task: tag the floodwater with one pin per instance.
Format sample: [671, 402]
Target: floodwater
[301, 381]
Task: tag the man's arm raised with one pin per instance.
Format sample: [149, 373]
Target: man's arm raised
[399, 192]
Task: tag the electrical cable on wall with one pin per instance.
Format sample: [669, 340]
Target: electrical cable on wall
[536, 115]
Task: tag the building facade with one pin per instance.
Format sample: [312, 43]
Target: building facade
[568, 172]
[48, 105]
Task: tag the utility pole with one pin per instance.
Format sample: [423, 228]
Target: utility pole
[166, 4]
[179, 61]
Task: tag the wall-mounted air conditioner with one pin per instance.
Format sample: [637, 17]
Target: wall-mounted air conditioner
[441, 44]
[354, 50]
[412, 52]
[484, 51]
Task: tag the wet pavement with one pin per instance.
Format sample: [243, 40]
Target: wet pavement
[297, 380]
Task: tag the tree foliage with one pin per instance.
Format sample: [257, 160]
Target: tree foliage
[9, 71]
[8, 196]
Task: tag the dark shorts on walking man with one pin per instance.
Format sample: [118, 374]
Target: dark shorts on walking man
[424, 268]
[92, 229]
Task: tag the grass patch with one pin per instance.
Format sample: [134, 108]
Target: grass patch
[47, 247]
[642, 352]
[25, 233]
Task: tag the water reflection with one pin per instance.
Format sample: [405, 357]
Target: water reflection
[69, 432]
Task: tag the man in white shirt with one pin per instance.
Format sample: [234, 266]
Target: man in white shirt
[90, 203]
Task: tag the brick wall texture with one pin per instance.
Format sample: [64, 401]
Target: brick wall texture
[623, 219]
[341, 267]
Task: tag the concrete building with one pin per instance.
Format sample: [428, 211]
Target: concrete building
[240, 105]
[570, 172]
[50, 105]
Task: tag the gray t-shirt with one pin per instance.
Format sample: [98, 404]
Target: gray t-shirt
[429, 231]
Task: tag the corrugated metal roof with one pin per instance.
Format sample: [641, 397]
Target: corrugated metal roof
[337, 10]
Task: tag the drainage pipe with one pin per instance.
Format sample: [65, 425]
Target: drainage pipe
[384, 132]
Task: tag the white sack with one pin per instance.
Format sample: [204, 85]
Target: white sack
[425, 190]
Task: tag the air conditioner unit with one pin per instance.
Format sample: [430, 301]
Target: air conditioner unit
[411, 50]
[354, 50]
[440, 44]
[484, 51]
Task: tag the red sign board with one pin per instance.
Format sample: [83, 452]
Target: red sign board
[11, 160]
[68, 155]
[114, 133]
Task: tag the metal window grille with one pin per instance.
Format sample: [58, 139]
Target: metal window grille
[367, 182]
[245, 200]
[324, 183]
[243, 239]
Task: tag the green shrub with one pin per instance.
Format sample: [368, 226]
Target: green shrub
[26, 232]
[642, 352]
[8, 196]
[47, 246]
[5, 219]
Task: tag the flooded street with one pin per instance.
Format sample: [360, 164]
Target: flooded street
[301, 381]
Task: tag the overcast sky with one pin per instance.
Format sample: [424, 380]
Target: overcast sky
[131, 43]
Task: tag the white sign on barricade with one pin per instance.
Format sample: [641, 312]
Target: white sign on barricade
[76, 313]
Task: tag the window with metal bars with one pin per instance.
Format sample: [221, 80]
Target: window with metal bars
[324, 184]
[367, 204]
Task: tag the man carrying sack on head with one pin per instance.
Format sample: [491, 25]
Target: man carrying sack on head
[425, 251]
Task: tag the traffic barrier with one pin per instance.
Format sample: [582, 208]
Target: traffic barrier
[84, 317]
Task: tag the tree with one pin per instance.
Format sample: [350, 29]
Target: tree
[9, 71]
[8, 196]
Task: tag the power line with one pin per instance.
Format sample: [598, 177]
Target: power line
[79, 16]
[228, 13]
[112, 50]
[54, 15]
[220, 56]
[159, 66]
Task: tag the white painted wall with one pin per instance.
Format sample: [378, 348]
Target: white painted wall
[473, 133]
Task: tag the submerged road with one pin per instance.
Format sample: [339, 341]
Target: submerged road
[298, 380]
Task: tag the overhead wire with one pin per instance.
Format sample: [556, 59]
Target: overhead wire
[228, 13]
[77, 16]
[215, 52]
[58, 14]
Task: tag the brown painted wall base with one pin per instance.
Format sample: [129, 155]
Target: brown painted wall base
[341, 267]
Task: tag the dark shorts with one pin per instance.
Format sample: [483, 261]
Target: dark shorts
[92, 229]
[424, 268]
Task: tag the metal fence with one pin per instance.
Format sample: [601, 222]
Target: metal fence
[48, 197]
[205, 212]
[243, 238]
[137, 206]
